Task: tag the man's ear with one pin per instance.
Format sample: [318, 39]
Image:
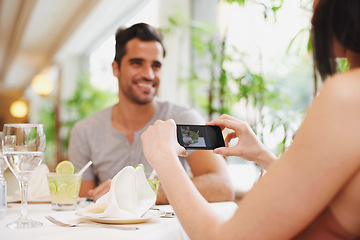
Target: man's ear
[115, 68]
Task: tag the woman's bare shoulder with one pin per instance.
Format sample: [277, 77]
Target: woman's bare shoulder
[343, 87]
[345, 80]
[336, 111]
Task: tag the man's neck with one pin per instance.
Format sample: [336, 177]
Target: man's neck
[129, 117]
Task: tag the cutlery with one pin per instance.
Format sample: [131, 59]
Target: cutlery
[62, 224]
[169, 215]
[166, 215]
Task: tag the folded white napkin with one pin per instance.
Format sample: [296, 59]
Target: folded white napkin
[38, 189]
[38, 184]
[130, 196]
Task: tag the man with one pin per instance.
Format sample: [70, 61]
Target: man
[111, 137]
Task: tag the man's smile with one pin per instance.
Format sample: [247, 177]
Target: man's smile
[146, 86]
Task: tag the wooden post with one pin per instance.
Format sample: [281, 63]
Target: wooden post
[57, 105]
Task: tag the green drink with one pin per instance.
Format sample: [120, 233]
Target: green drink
[64, 190]
[154, 184]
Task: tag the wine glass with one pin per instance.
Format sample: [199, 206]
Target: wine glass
[23, 148]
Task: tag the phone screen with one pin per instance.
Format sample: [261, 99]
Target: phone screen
[200, 136]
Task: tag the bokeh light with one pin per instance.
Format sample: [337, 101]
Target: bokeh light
[42, 85]
[19, 109]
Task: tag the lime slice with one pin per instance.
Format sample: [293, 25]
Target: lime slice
[62, 188]
[140, 165]
[73, 190]
[52, 187]
[65, 167]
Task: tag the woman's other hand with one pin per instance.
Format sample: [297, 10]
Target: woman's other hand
[160, 139]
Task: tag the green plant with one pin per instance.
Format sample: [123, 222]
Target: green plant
[219, 90]
[305, 34]
[270, 6]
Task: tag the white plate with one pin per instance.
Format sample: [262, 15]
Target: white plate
[150, 214]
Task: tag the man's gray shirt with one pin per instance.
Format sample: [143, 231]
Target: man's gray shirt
[95, 139]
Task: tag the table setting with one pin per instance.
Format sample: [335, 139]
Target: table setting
[129, 200]
[127, 211]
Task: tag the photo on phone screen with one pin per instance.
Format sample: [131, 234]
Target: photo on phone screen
[200, 136]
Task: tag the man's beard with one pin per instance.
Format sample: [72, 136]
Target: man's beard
[129, 93]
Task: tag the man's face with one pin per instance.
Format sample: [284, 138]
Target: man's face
[140, 70]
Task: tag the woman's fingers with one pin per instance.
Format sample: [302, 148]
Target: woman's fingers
[230, 118]
[229, 137]
[224, 151]
[228, 123]
[181, 151]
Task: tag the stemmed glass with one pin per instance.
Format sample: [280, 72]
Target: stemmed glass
[23, 149]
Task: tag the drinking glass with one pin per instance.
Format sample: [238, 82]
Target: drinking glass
[153, 181]
[3, 167]
[64, 190]
[23, 148]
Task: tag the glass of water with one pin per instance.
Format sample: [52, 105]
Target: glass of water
[23, 148]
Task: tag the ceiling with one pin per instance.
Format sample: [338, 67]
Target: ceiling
[34, 34]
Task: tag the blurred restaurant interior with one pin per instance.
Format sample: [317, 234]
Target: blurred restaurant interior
[48, 48]
[45, 46]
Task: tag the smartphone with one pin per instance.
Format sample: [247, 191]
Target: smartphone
[200, 136]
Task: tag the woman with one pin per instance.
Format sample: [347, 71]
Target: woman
[313, 190]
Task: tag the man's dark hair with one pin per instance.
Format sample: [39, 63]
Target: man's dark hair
[142, 31]
[339, 19]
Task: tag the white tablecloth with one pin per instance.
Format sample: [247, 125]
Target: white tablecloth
[157, 229]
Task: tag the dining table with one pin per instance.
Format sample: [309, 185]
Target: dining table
[165, 227]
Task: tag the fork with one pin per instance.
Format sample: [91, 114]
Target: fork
[62, 224]
[166, 215]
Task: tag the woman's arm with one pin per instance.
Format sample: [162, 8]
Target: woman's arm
[296, 188]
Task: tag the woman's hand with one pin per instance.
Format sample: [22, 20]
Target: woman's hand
[248, 147]
[159, 140]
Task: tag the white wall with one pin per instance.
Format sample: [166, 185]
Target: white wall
[178, 47]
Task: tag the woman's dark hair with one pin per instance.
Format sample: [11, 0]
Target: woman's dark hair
[339, 19]
[142, 31]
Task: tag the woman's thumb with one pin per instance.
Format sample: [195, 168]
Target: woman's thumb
[222, 151]
[181, 151]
